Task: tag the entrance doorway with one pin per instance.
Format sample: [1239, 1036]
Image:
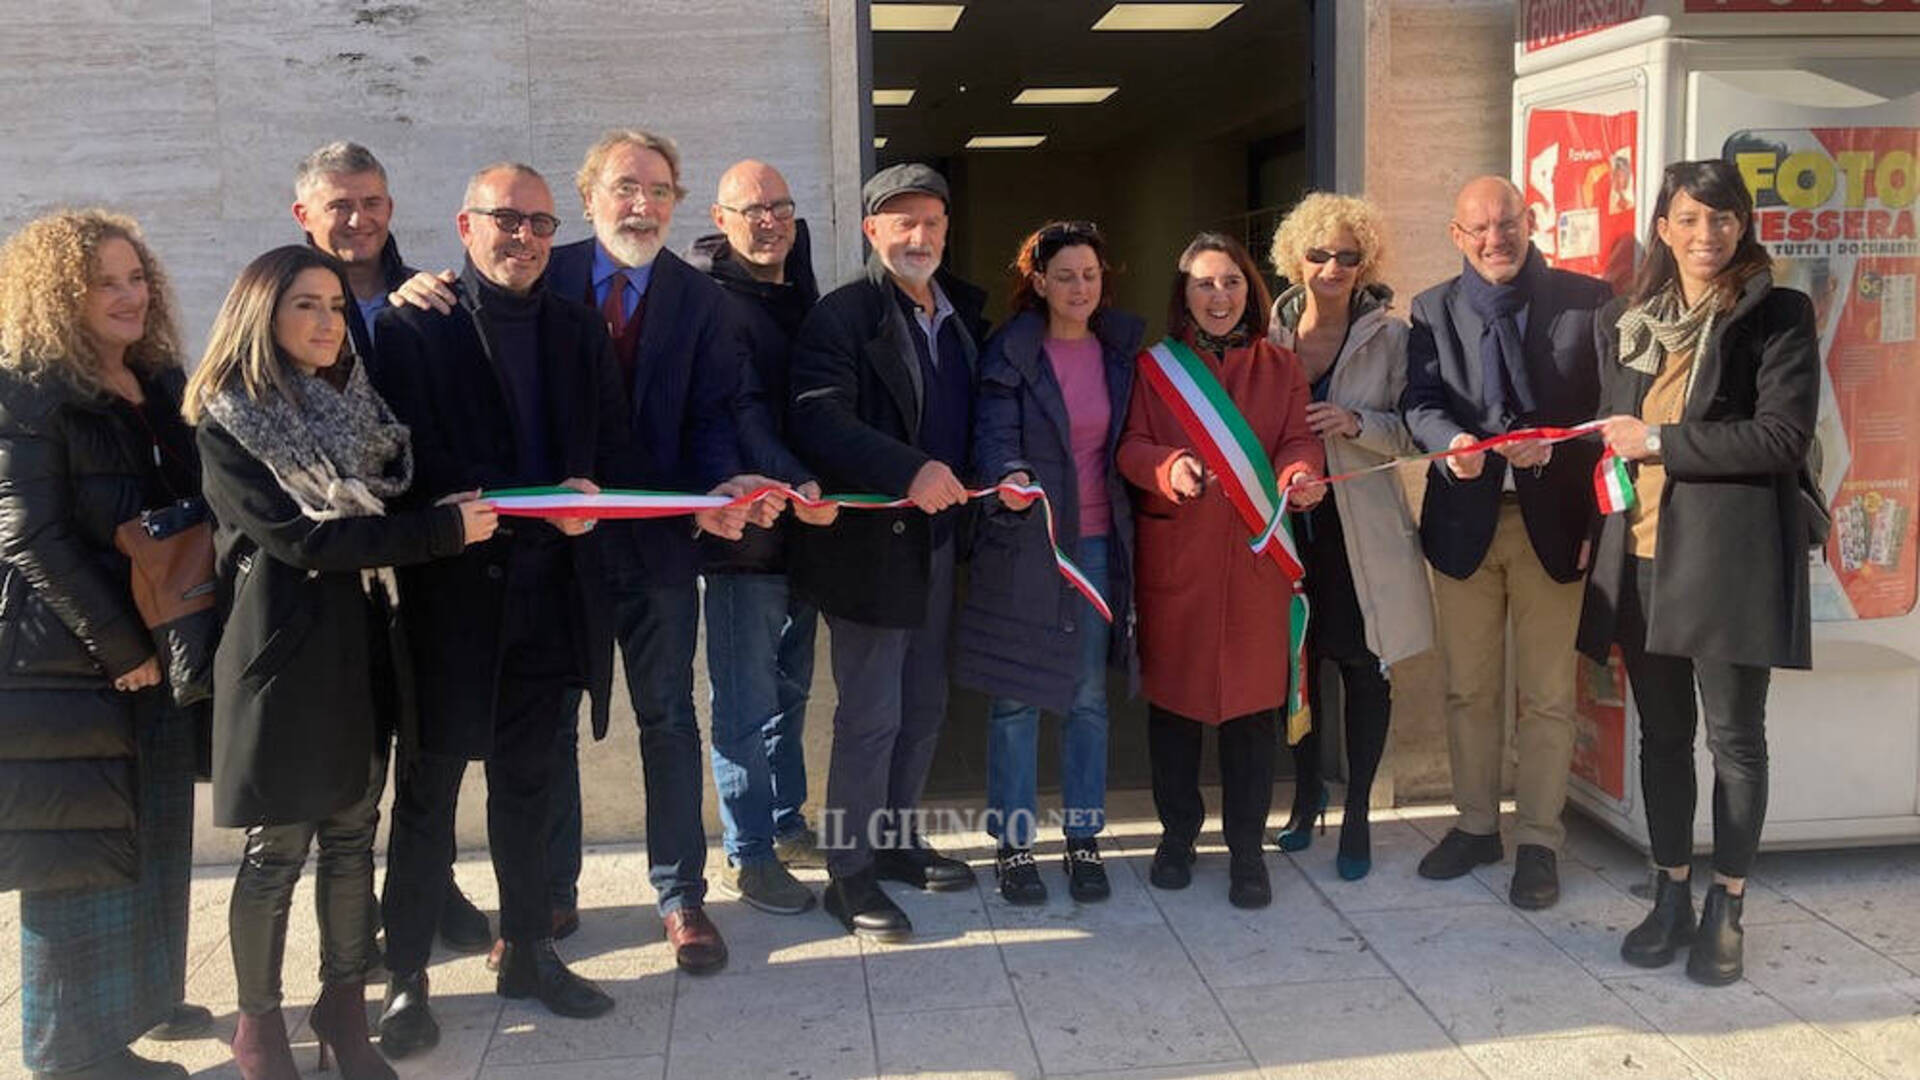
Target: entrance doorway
[1036, 111]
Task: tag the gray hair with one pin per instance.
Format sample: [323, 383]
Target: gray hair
[512, 168]
[338, 158]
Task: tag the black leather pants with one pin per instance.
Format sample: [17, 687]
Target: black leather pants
[263, 895]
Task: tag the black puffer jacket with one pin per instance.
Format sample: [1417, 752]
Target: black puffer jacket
[71, 469]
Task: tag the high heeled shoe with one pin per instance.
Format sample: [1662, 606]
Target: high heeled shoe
[1355, 858]
[339, 1023]
[1298, 834]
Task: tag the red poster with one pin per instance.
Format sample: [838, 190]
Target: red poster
[1600, 725]
[1835, 207]
[1580, 188]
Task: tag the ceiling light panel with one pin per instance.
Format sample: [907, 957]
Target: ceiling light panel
[1164, 16]
[879, 142]
[1064, 95]
[1005, 142]
[893, 97]
[918, 16]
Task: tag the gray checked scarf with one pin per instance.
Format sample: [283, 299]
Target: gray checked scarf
[337, 453]
[1663, 325]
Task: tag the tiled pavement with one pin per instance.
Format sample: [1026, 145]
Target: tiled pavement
[1391, 977]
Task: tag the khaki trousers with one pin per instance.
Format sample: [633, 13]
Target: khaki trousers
[1509, 589]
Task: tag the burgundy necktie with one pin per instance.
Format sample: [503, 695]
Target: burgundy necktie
[614, 307]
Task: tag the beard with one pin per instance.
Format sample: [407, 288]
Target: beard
[632, 246]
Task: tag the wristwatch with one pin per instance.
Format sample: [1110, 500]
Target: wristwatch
[1653, 439]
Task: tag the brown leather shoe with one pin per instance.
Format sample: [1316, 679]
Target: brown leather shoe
[697, 947]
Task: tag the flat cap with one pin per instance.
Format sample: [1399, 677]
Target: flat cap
[909, 179]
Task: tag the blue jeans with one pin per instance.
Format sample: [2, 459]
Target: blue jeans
[760, 661]
[1013, 732]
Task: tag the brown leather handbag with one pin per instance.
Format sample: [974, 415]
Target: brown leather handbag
[171, 549]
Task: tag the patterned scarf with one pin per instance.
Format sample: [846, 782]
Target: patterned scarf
[337, 453]
[1236, 338]
[1663, 325]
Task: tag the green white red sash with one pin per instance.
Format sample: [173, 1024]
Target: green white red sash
[1229, 447]
[565, 502]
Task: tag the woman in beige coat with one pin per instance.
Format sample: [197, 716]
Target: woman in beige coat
[1366, 580]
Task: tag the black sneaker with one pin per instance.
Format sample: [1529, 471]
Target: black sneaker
[1536, 878]
[1086, 874]
[1458, 853]
[1019, 877]
[1247, 883]
[1172, 864]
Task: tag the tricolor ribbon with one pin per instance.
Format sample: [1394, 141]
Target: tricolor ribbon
[565, 502]
[1612, 488]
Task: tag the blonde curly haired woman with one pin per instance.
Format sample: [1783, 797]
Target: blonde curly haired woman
[97, 830]
[1366, 580]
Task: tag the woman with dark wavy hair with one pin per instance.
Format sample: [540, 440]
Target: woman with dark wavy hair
[1054, 386]
[1710, 384]
[97, 763]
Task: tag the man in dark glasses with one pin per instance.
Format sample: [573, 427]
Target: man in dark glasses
[515, 386]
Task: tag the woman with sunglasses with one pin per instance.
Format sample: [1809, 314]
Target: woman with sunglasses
[1054, 388]
[301, 457]
[1711, 374]
[1213, 615]
[1366, 579]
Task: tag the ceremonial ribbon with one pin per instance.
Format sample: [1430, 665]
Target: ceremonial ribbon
[1209, 418]
[565, 502]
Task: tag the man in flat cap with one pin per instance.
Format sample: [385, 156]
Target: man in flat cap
[882, 400]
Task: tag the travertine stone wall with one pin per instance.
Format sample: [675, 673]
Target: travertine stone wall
[1438, 81]
[191, 114]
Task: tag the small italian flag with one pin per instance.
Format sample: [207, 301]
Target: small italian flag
[1612, 488]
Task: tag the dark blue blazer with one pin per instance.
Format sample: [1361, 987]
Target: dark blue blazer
[1443, 399]
[686, 377]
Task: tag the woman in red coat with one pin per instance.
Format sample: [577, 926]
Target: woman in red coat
[1212, 614]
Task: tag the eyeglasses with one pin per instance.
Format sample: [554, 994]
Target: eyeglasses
[778, 210]
[1348, 259]
[629, 190]
[509, 221]
[1513, 226]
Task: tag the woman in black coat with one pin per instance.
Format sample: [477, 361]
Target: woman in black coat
[300, 456]
[1054, 387]
[1712, 377]
[96, 766]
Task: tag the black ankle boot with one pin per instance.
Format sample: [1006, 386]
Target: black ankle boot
[1716, 958]
[1666, 928]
